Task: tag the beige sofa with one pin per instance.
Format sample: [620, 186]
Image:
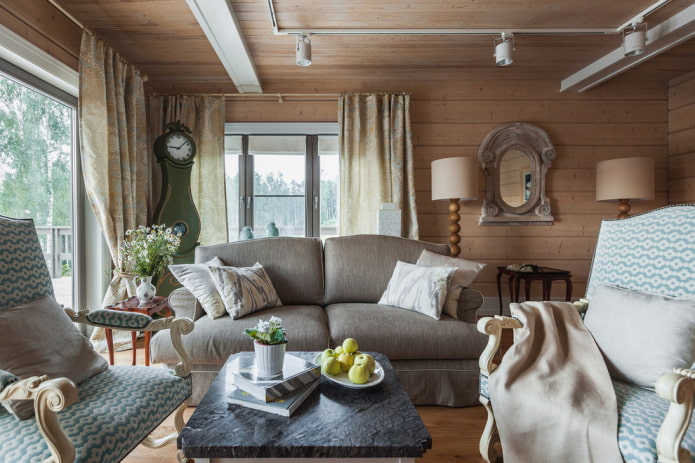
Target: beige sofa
[330, 292]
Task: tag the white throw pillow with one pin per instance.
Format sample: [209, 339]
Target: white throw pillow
[38, 338]
[197, 279]
[641, 335]
[466, 272]
[418, 288]
[244, 289]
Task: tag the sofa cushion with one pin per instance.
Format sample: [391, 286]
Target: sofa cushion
[244, 290]
[197, 279]
[212, 341]
[466, 271]
[294, 265]
[419, 337]
[418, 288]
[358, 267]
[641, 335]
[38, 338]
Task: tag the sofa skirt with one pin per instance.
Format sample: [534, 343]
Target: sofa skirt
[449, 383]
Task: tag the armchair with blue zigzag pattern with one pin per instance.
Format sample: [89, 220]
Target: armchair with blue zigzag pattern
[61, 402]
[633, 377]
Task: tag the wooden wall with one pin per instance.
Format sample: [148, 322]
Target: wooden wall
[681, 139]
[618, 119]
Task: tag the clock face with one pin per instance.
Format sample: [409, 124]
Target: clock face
[179, 147]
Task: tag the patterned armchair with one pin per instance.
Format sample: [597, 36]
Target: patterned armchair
[648, 261]
[83, 410]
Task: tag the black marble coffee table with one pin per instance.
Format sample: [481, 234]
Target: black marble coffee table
[336, 423]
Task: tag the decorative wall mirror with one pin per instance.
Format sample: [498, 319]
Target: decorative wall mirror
[515, 158]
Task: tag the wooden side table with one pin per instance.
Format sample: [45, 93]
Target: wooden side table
[544, 274]
[132, 304]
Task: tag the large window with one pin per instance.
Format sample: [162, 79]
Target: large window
[290, 180]
[36, 165]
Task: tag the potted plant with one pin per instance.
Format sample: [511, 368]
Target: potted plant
[145, 253]
[269, 343]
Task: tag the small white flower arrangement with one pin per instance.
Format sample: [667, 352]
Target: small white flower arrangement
[268, 331]
[147, 251]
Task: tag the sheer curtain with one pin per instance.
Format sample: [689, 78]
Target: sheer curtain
[376, 161]
[204, 115]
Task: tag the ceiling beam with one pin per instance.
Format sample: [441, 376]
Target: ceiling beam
[217, 19]
[660, 38]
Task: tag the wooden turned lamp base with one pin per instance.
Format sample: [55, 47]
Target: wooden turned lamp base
[454, 227]
[624, 208]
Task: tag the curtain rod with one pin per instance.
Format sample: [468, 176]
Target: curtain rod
[66, 14]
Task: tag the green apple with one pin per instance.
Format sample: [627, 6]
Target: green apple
[330, 366]
[366, 360]
[349, 345]
[327, 353]
[359, 374]
[346, 360]
[338, 350]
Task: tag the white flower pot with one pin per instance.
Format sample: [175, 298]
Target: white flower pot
[269, 358]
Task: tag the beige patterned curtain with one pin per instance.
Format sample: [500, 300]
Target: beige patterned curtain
[116, 161]
[376, 161]
[204, 115]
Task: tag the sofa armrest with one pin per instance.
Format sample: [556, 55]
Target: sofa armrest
[50, 396]
[678, 388]
[184, 304]
[106, 318]
[470, 301]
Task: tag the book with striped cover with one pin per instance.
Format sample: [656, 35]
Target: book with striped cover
[296, 372]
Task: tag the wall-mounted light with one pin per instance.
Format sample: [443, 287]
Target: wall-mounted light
[504, 49]
[303, 50]
[635, 39]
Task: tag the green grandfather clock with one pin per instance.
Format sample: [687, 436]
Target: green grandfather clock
[175, 151]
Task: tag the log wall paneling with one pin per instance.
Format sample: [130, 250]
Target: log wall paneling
[451, 118]
[681, 139]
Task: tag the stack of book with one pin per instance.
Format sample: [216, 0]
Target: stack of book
[282, 394]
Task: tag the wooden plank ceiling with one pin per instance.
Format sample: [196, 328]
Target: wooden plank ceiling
[163, 39]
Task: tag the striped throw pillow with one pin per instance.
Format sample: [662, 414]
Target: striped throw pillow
[244, 290]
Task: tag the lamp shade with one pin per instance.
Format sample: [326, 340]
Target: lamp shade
[455, 178]
[625, 178]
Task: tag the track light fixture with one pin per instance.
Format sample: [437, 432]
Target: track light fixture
[635, 39]
[303, 50]
[504, 48]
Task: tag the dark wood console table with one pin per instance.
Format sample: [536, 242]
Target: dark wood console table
[545, 274]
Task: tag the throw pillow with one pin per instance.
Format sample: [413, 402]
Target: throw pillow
[466, 272]
[244, 289]
[197, 279]
[641, 335]
[38, 338]
[418, 288]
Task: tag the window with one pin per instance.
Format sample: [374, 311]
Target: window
[37, 127]
[289, 179]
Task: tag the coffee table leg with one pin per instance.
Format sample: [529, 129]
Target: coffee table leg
[109, 343]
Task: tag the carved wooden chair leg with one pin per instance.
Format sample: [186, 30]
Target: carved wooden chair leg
[490, 436]
[153, 443]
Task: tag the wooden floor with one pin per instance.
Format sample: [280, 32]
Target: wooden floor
[455, 431]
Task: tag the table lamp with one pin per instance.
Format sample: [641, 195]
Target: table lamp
[623, 180]
[454, 179]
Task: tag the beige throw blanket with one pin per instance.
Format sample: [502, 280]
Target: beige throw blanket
[552, 395]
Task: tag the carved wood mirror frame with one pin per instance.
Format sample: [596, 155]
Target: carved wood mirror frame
[536, 145]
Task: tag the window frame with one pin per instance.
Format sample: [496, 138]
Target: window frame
[312, 182]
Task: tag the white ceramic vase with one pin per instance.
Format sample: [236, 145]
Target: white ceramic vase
[269, 358]
[146, 290]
